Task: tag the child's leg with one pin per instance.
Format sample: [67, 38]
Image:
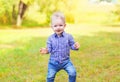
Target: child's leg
[70, 69]
[52, 70]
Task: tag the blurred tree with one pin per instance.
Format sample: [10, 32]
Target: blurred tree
[14, 14]
[117, 12]
[5, 11]
[48, 7]
[21, 10]
[39, 11]
[23, 5]
[65, 6]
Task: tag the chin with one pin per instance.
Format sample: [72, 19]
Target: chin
[59, 33]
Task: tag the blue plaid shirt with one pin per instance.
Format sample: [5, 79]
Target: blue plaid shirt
[59, 46]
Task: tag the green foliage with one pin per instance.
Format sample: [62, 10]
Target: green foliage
[48, 7]
[32, 23]
[76, 11]
[40, 10]
[106, 0]
[117, 11]
[28, 1]
[6, 11]
[114, 16]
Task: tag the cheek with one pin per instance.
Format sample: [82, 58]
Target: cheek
[54, 29]
[62, 28]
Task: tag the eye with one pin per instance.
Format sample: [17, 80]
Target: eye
[55, 26]
[61, 25]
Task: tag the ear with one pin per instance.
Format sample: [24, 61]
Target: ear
[51, 27]
[64, 25]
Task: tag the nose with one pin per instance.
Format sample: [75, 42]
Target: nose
[58, 27]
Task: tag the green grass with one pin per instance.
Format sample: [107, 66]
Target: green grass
[98, 59]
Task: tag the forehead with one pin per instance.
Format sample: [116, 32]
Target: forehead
[57, 21]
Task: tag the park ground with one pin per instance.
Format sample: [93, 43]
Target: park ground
[97, 60]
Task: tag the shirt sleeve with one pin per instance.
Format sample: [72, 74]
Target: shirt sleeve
[71, 43]
[49, 45]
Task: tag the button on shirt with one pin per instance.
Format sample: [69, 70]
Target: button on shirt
[59, 46]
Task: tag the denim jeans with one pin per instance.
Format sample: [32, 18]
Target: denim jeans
[54, 67]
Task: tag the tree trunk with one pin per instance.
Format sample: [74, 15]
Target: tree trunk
[14, 15]
[19, 20]
[21, 11]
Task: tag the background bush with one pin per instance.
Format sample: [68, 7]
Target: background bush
[76, 11]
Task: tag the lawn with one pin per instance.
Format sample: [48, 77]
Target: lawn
[98, 59]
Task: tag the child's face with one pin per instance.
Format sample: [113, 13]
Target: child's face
[58, 26]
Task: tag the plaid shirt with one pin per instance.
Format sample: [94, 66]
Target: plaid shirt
[59, 46]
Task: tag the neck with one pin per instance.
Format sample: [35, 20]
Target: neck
[59, 34]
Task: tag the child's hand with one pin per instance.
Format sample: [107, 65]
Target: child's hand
[43, 50]
[76, 45]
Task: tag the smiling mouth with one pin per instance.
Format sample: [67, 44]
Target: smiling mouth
[58, 30]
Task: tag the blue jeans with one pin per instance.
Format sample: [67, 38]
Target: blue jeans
[54, 67]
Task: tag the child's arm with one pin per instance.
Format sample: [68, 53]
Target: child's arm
[44, 51]
[76, 45]
[48, 49]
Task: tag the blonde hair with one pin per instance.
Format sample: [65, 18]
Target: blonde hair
[57, 15]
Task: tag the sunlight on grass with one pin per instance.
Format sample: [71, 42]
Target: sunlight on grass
[89, 30]
[11, 35]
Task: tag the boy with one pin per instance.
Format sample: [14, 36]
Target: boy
[58, 45]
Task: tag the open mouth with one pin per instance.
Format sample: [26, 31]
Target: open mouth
[58, 30]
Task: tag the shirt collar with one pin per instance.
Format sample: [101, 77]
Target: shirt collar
[62, 35]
